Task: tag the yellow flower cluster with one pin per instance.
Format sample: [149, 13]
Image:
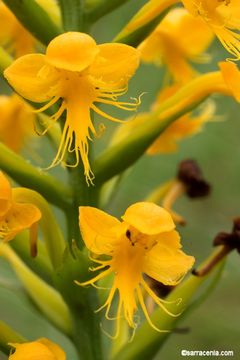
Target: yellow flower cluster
[70, 80]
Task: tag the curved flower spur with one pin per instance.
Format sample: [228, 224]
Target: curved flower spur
[80, 73]
[144, 243]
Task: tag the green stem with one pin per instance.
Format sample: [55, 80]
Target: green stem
[52, 234]
[27, 175]
[34, 19]
[87, 330]
[120, 156]
[8, 335]
[83, 195]
[82, 303]
[72, 14]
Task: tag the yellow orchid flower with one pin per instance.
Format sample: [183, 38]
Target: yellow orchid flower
[15, 216]
[144, 243]
[80, 73]
[187, 125]
[174, 45]
[223, 17]
[13, 35]
[231, 76]
[43, 349]
[15, 114]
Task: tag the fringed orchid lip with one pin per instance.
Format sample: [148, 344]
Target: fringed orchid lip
[16, 217]
[81, 74]
[144, 243]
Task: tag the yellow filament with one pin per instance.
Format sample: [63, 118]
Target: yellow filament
[157, 300]
[144, 309]
[96, 278]
[48, 105]
[105, 115]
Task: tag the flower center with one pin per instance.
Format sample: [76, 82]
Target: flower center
[140, 240]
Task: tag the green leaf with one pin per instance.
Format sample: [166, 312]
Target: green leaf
[34, 19]
[46, 298]
[29, 176]
[17, 311]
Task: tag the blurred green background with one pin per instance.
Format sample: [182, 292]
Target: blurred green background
[215, 325]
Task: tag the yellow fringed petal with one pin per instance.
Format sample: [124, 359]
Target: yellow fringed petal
[98, 229]
[165, 262]
[31, 78]
[73, 51]
[148, 218]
